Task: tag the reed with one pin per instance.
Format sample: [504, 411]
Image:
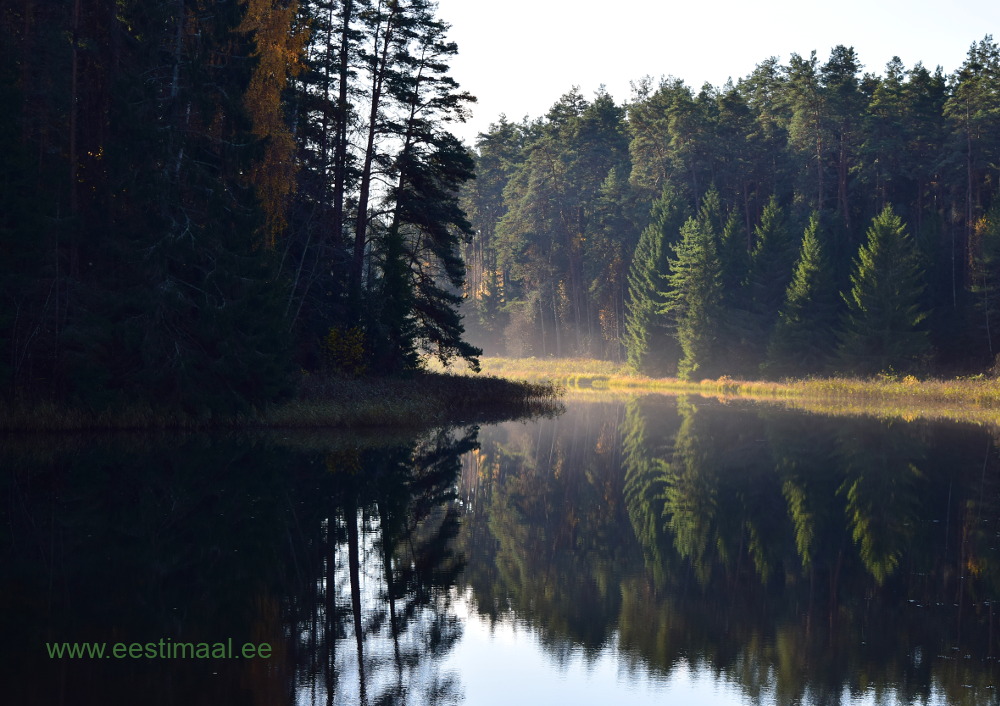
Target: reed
[422, 400]
[974, 398]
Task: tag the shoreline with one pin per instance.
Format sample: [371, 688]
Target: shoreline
[974, 399]
[510, 389]
[424, 400]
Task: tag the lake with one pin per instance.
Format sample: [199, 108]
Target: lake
[632, 550]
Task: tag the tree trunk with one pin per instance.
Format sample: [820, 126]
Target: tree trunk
[380, 64]
[354, 569]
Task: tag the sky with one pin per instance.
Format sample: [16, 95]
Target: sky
[519, 56]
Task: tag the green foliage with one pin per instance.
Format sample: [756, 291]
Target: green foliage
[973, 113]
[882, 328]
[770, 269]
[771, 264]
[134, 177]
[695, 300]
[810, 135]
[802, 338]
[134, 268]
[568, 230]
[647, 343]
[423, 272]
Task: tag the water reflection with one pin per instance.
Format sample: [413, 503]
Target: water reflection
[336, 551]
[653, 549]
[806, 559]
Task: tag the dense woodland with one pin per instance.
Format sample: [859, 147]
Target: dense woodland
[809, 218]
[200, 198]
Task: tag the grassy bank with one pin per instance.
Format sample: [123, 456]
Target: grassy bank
[423, 400]
[975, 399]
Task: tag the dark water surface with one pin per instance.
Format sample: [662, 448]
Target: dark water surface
[652, 550]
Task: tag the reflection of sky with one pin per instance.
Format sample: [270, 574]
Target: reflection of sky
[508, 665]
[418, 675]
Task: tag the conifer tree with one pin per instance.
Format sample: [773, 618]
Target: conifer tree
[711, 215]
[695, 300]
[649, 347]
[423, 269]
[771, 264]
[734, 257]
[986, 276]
[738, 325]
[800, 341]
[882, 329]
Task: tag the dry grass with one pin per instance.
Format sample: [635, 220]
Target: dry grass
[420, 401]
[972, 399]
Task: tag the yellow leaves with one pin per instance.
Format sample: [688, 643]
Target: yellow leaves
[347, 462]
[279, 46]
[345, 350]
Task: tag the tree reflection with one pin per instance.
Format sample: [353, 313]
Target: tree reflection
[335, 550]
[543, 508]
[643, 492]
[807, 559]
[392, 530]
[881, 490]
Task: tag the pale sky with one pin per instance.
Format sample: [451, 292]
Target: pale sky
[519, 56]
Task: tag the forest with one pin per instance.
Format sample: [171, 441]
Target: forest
[809, 218]
[200, 199]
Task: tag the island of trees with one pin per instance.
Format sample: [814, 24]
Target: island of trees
[810, 218]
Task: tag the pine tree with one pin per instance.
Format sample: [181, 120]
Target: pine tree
[178, 303]
[695, 300]
[973, 109]
[557, 205]
[801, 338]
[498, 153]
[423, 270]
[845, 104]
[649, 347]
[882, 329]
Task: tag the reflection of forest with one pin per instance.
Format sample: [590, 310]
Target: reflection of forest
[204, 539]
[801, 557]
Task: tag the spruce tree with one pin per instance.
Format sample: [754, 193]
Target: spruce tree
[882, 329]
[738, 328]
[695, 300]
[770, 270]
[735, 258]
[800, 342]
[649, 347]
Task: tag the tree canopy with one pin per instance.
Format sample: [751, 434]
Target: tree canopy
[199, 199]
[573, 238]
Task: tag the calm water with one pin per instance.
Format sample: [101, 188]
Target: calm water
[650, 550]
